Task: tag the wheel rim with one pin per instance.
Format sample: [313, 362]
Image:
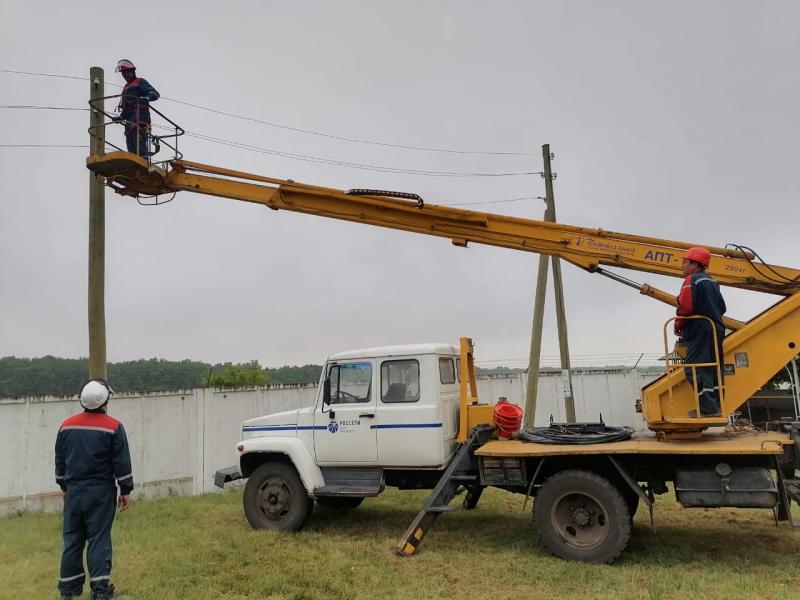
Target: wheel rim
[274, 499]
[580, 519]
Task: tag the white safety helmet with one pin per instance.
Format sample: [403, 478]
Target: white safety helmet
[95, 394]
[125, 65]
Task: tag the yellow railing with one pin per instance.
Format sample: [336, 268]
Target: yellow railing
[676, 360]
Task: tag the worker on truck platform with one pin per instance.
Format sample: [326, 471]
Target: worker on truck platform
[134, 109]
[700, 295]
[91, 454]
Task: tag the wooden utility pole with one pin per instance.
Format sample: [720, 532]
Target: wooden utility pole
[97, 233]
[538, 315]
[536, 341]
[558, 286]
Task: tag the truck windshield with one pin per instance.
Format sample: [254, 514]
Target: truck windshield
[350, 383]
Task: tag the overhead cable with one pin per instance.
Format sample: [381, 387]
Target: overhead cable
[42, 74]
[495, 201]
[290, 128]
[366, 167]
[43, 146]
[36, 107]
[343, 138]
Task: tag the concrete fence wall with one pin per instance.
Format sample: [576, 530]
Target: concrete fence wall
[179, 439]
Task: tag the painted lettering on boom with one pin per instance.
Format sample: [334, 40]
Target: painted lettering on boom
[659, 256]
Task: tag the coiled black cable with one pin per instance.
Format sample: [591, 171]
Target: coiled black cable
[574, 433]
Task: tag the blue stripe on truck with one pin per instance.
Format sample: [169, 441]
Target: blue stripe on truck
[285, 428]
[323, 427]
[408, 426]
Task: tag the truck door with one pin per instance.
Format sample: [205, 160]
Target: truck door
[344, 431]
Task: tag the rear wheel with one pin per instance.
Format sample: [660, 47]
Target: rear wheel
[631, 499]
[580, 515]
[340, 501]
[275, 498]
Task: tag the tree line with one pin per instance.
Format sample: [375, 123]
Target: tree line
[54, 376]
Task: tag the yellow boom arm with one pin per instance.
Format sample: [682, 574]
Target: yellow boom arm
[582, 246]
[757, 350]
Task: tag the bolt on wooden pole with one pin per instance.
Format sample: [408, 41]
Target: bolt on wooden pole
[97, 234]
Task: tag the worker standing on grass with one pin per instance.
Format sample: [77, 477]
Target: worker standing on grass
[91, 453]
[700, 295]
[134, 109]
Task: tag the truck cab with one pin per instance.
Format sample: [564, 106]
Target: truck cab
[381, 416]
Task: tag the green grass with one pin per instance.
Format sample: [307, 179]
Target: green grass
[203, 548]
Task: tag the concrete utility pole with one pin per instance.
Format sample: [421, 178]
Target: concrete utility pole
[538, 315]
[97, 234]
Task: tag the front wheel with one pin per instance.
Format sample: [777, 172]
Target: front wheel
[275, 498]
[580, 515]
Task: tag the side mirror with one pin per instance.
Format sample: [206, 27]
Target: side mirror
[326, 391]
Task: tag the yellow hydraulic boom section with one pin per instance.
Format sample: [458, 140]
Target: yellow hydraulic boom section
[582, 246]
[752, 354]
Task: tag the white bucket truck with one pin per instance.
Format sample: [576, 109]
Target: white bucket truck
[381, 416]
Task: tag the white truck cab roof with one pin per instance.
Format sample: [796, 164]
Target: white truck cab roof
[399, 350]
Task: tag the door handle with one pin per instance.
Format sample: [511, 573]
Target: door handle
[366, 416]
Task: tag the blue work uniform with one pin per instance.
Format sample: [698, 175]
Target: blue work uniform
[91, 455]
[134, 107]
[700, 295]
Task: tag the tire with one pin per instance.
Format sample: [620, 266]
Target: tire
[631, 499]
[340, 502]
[580, 515]
[275, 498]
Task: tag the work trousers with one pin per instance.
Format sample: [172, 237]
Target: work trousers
[137, 139]
[700, 341]
[88, 516]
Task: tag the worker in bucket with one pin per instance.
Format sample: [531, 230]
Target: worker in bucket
[134, 109]
[700, 295]
[91, 455]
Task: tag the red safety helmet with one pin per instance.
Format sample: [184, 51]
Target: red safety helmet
[699, 255]
[125, 65]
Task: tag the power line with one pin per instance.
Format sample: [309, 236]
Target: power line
[366, 167]
[578, 360]
[43, 146]
[42, 74]
[36, 107]
[497, 201]
[295, 129]
[343, 138]
[307, 158]
[236, 145]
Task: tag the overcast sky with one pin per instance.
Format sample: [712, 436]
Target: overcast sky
[671, 119]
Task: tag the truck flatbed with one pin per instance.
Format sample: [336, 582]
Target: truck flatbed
[715, 442]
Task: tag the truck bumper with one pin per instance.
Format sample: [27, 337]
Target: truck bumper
[224, 476]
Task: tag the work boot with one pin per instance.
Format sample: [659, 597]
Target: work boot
[109, 593]
[703, 415]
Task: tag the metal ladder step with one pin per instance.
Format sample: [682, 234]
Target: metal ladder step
[446, 488]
